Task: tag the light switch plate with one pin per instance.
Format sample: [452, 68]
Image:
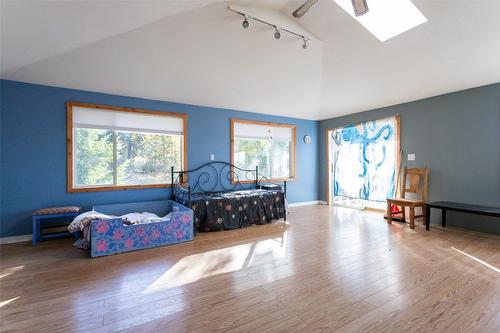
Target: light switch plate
[411, 157]
[212, 157]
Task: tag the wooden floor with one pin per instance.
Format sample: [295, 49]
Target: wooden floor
[327, 269]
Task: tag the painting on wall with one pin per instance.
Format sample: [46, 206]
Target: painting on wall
[365, 158]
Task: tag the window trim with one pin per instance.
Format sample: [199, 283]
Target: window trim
[266, 123]
[69, 146]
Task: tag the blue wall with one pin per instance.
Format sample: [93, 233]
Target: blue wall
[33, 150]
[457, 136]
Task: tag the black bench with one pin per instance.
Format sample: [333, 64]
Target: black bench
[457, 207]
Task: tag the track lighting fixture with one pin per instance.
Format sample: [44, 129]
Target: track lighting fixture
[277, 33]
[277, 30]
[246, 24]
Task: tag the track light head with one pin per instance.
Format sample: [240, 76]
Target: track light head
[277, 33]
[246, 24]
[306, 44]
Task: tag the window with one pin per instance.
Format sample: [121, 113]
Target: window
[113, 148]
[365, 162]
[269, 146]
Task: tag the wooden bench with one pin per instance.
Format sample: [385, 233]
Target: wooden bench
[457, 207]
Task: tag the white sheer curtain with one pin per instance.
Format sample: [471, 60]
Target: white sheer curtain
[365, 161]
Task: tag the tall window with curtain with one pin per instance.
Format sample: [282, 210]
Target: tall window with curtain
[366, 160]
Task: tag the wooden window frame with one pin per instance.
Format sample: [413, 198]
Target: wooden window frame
[69, 146]
[266, 123]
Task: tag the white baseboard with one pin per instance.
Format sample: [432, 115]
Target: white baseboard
[15, 239]
[307, 203]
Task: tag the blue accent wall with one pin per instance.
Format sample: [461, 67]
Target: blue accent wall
[457, 135]
[33, 150]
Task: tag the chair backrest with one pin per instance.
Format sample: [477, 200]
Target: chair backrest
[415, 181]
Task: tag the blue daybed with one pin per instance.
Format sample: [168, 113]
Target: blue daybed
[112, 236]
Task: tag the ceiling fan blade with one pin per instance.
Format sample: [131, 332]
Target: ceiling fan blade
[360, 7]
[299, 12]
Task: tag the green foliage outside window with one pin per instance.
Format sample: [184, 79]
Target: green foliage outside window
[93, 156]
[272, 156]
[140, 158]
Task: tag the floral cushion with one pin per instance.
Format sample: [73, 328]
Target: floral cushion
[57, 210]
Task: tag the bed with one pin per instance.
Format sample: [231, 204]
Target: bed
[224, 196]
[110, 232]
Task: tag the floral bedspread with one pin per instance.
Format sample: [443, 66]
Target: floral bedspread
[239, 209]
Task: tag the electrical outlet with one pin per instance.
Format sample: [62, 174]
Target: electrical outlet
[411, 157]
[212, 157]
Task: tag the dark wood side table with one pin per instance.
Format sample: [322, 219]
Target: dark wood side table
[457, 207]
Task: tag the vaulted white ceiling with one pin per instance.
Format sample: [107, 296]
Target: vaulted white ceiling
[196, 52]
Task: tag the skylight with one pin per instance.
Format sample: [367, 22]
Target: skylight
[387, 18]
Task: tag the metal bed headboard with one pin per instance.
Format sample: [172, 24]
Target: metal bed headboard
[216, 177]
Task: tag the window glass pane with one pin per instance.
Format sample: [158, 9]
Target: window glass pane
[146, 158]
[281, 159]
[268, 146]
[93, 157]
[249, 153]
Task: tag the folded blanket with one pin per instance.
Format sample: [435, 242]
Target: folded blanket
[83, 220]
[82, 223]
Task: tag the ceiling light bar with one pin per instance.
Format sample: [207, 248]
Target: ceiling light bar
[277, 30]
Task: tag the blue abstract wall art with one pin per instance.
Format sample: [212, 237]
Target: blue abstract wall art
[365, 159]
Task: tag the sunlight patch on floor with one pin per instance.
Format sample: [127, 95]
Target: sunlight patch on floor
[198, 266]
[4, 303]
[478, 260]
[231, 259]
[10, 270]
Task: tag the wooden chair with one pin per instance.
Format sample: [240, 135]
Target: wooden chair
[417, 183]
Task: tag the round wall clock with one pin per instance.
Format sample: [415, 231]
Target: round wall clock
[307, 139]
